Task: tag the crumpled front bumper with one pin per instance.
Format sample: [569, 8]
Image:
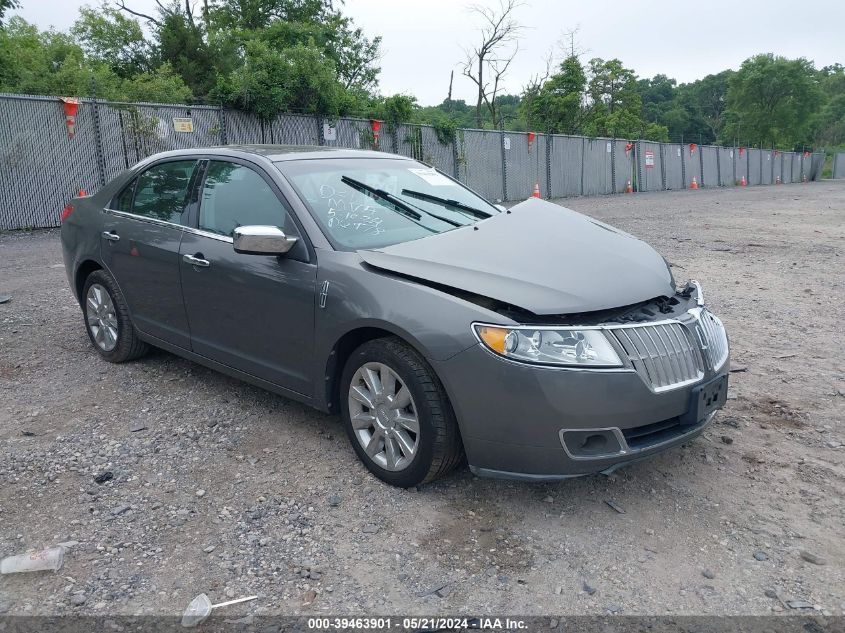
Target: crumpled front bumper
[542, 423]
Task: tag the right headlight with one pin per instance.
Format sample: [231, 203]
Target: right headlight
[562, 347]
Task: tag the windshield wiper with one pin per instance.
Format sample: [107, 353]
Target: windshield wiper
[478, 213]
[397, 204]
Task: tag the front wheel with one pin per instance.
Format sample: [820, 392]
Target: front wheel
[397, 414]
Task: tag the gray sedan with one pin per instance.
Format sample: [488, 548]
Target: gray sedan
[535, 342]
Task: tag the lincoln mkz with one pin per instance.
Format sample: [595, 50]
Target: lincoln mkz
[534, 343]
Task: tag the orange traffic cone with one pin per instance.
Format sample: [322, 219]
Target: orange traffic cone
[82, 193]
[629, 188]
[536, 193]
[743, 183]
[694, 184]
[805, 179]
[777, 180]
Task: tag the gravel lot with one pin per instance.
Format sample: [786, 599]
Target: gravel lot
[220, 487]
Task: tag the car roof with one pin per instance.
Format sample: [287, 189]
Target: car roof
[281, 153]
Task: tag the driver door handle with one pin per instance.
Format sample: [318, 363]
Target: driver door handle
[111, 236]
[196, 260]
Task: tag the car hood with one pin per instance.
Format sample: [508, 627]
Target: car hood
[540, 257]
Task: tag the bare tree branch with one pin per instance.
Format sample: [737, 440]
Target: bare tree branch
[121, 4]
[487, 62]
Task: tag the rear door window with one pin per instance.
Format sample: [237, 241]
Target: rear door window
[161, 192]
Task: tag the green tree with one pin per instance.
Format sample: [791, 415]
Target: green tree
[829, 123]
[271, 82]
[557, 105]
[6, 5]
[772, 99]
[615, 105]
[107, 36]
[162, 85]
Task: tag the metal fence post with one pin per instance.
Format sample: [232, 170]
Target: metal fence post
[613, 165]
[583, 156]
[456, 167]
[748, 165]
[504, 161]
[221, 117]
[549, 141]
[663, 167]
[321, 138]
[638, 169]
[718, 166]
[98, 138]
[701, 164]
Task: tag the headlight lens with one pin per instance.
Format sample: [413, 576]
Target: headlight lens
[563, 347]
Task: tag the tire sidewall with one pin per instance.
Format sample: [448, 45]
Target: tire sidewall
[417, 471]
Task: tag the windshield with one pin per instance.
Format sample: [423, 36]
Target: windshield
[373, 202]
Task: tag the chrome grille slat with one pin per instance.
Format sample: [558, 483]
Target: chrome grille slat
[717, 342]
[670, 354]
[661, 353]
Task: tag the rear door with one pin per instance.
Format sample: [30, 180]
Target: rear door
[254, 313]
[140, 247]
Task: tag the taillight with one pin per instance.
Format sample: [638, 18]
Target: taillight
[69, 207]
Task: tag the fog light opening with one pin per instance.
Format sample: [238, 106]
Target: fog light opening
[594, 443]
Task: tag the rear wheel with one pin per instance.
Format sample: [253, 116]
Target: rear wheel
[397, 414]
[107, 320]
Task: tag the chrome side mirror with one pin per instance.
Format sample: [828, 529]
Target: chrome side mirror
[262, 240]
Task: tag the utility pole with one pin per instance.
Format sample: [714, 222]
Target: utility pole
[449, 98]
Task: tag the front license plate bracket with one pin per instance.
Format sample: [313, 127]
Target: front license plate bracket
[705, 399]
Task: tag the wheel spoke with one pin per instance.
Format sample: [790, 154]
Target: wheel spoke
[409, 422]
[363, 420]
[392, 453]
[401, 399]
[388, 380]
[111, 335]
[98, 335]
[92, 303]
[372, 381]
[362, 395]
[92, 320]
[405, 443]
[373, 447]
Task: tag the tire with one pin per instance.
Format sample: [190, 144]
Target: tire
[107, 321]
[438, 447]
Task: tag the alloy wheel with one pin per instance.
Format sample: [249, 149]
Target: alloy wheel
[384, 416]
[101, 317]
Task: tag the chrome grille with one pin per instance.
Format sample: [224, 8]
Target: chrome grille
[662, 353]
[714, 339]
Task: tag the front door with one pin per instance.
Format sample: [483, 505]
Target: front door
[140, 248]
[254, 313]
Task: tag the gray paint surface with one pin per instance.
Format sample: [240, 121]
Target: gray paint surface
[540, 257]
[260, 319]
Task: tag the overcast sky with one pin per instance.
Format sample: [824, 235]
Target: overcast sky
[423, 39]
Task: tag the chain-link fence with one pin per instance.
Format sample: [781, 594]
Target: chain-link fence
[42, 166]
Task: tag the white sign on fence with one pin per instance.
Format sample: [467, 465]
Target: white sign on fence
[507, 142]
[183, 124]
[329, 132]
[649, 159]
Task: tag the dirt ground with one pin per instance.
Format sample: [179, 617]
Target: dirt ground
[226, 489]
